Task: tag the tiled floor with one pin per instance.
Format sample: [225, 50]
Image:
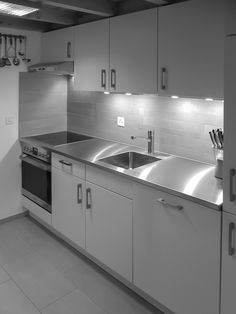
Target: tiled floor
[38, 274]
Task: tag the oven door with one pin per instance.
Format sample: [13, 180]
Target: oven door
[36, 181]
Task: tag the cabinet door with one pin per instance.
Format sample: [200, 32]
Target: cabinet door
[133, 52]
[229, 181]
[228, 302]
[92, 56]
[191, 49]
[58, 45]
[68, 216]
[109, 229]
[176, 252]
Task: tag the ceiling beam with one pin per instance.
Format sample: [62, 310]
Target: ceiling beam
[53, 15]
[158, 2]
[97, 7]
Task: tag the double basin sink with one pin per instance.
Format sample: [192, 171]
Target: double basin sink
[129, 160]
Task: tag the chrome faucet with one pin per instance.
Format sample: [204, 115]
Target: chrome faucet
[149, 138]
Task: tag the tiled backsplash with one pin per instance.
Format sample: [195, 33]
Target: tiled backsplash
[42, 103]
[181, 125]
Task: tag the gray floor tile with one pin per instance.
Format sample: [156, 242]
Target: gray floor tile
[38, 279]
[74, 303]
[111, 297]
[12, 246]
[13, 301]
[3, 275]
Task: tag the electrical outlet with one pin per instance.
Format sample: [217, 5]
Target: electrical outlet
[121, 121]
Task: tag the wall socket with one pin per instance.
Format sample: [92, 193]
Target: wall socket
[121, 121]
[9, 120]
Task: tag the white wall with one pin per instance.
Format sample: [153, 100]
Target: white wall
[10, 172]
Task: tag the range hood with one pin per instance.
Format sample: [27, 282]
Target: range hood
[57, 68]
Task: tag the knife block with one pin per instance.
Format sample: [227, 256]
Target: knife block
[219, 158]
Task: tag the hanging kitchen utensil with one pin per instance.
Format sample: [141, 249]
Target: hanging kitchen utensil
[16, 61]
[2, 61]
[20, 50]
[6, 59]
[27, 60]
[10, 50]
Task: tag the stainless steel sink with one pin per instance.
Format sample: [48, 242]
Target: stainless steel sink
[129, 160]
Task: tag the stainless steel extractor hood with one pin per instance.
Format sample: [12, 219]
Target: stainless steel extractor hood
[57, 68]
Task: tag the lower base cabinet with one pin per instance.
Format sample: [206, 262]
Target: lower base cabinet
[228, 281]
[109, 229]
[177, 252]
[68, 215]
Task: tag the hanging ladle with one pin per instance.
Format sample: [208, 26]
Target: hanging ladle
[5, 58]
[16, 61]
[27, 60]
[2, 61]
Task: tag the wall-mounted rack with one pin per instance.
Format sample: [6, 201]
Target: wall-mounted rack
[13, 50]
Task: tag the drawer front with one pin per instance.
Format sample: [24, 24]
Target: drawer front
[68, 165]
[110, 181]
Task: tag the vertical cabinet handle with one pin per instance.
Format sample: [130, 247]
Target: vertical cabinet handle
[231, 242]
[103, 78]
[88, 199]
[68, 50]
[231, 185]
[113, 78]
[163, 78]
[79, 193]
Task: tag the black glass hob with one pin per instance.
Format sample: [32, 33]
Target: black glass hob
[60, 138]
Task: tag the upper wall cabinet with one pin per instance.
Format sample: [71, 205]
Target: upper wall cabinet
[191, 49]
[230, 21]
[118, 54]
[92, 56]
[133, 52]
[58, 45]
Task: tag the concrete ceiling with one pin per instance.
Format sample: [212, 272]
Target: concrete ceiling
[55, 14]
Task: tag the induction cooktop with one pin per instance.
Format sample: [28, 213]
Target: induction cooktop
[60, 138]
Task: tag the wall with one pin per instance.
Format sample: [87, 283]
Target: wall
[181, 125]
[42, 104]
[10, 179]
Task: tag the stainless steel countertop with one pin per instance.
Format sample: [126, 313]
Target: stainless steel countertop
[182, 177]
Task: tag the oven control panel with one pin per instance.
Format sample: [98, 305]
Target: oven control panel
[36, 151]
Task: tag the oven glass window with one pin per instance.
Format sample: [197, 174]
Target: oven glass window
[36, 181]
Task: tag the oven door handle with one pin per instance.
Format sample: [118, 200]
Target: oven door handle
[35, 162]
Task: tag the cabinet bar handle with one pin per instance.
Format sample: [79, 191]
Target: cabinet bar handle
[163, 78]
[103, 78]
[165, 203]
[79, 194]
[113, 78]
[66, 163]
[68, 50]
[231, 185]
[231, 245]
[88, 199]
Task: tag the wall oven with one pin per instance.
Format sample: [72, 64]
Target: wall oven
[36, 175]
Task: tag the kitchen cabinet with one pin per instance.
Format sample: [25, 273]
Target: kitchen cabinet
[230, 22]
[191, 49]
[228, 301]
[176, 251]
[133, 52]
[229, 182]
[58, 46]
[109, 222]
[118, 54]
[92, 56]
[68, 199]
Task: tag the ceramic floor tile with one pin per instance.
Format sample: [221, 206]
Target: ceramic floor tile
[3, 275]
[38, 279]
[13, 301]
[111, 297]
[74, 303]
[12, 246]
[30, 232]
